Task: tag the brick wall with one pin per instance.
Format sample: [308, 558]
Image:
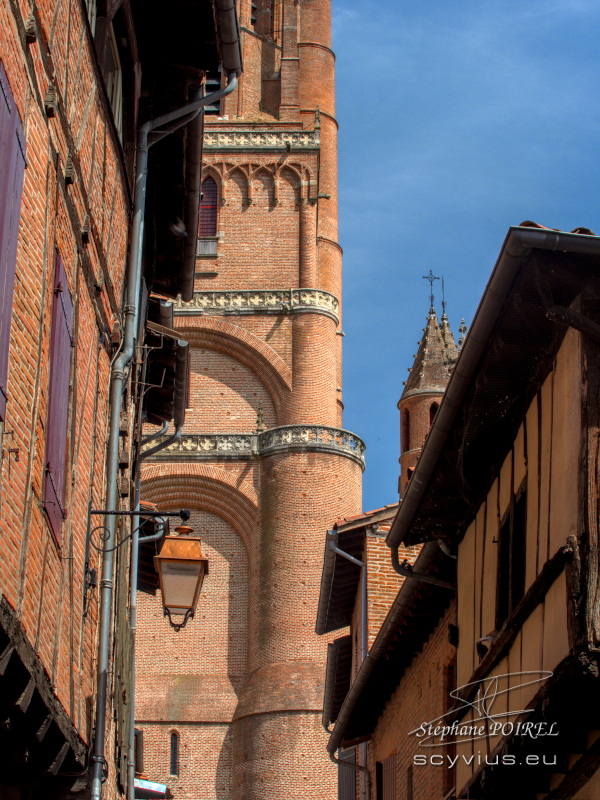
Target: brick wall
[418, 407]
[40, 579]
[421, 696]
[273, 234]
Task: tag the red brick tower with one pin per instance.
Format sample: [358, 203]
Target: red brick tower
[423, 391]
[231, 705]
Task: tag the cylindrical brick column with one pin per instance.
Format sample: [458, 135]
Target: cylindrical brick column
[313, 399]
[279, 710]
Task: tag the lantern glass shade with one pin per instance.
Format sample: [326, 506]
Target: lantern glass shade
[181, 568]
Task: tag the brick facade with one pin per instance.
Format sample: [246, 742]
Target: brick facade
[74, 205]
[261, 361]
[421, 696]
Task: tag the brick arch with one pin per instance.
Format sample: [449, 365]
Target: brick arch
[243, 182]
[204, 487]
[287, 174]
[268, 186]
[224, 337]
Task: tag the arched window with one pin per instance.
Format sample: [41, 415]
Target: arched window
[174, 770]
[405, 431]
[433, 408]
[208, 208]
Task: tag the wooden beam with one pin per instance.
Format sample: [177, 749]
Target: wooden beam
[508, 633]
[576, 779]
[43, 729]
[5, 658]
[60, 757]
[566, 316]
[25, 698]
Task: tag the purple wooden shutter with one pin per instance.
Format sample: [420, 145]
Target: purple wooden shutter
[12, 165]
[58, 400]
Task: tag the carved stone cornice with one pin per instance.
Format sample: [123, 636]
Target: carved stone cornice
[287, 438]
[259, 301]
[261, 140]
[319, 438]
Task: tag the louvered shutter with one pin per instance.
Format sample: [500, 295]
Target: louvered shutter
[389, 778]
[58, 400]
[12, 166]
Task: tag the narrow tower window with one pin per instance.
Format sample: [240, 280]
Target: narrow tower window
[208, 208]
[405, 431]
[174, 753]
[433, 409]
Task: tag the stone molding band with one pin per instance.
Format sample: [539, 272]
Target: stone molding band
[259, 301]
[287, 438]
[262, 140]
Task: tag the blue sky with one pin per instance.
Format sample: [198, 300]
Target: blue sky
[457, 120]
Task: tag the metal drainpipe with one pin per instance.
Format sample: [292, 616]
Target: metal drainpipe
[134, 273]
[408, 572]
[363, 653]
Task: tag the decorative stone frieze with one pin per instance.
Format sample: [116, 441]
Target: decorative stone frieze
[315, 438]
[288, 438]
[258, 301]
[261, 140]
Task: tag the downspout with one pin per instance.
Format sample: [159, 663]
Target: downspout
[363, 654]
[119, 372]
[406, 571]
[135, 552]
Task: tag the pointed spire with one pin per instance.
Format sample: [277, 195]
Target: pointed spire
[435, 357]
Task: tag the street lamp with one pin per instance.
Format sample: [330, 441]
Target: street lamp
[181, 569]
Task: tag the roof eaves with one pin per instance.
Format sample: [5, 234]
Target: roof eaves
[394, 616]
[517, 246]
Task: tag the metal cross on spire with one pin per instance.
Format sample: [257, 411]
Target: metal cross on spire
[431, 278]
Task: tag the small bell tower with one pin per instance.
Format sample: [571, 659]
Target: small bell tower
[425, 387]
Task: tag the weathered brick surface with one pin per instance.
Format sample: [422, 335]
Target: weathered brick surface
[274, 233]
[421, 696]
[41, 580]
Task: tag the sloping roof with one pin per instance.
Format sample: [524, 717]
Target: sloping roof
[340, 577]
[337, 677]
[434, 360]
[414, 613]
[505, 357]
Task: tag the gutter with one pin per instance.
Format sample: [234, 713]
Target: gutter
[332, 545]
[397, 610]
[118, 377]
[517, 245]
[229, 36]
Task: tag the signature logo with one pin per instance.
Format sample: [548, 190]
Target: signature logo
[488, 718]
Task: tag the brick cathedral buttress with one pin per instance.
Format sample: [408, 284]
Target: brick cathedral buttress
[263, 463]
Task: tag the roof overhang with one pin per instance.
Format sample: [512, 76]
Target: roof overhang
[512, 342]
[340, 577]
[414, 613]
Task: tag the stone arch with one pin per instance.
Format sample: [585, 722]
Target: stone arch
[210, 171]
[205, 487]
[224, 337]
